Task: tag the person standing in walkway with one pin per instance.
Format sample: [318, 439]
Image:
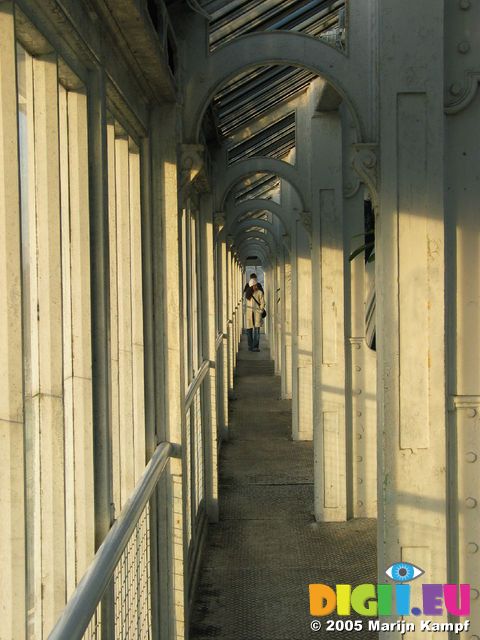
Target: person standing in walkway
[255, 303]
[253, 276]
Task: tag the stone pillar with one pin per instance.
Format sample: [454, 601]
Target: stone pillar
[209, 351]
[410, 292]
[287, 327]
[230, 337]
[12, 463]
[276, 316]
[169, 359]
[276, 312]
[77, 339]
[44, 388]
[124, 300]
[277, 309]
[463, 311]
[328, 318]
[302, 380]
[224, 329]
[137, 346]
[233, 316]
[268, 324]
[236, 307]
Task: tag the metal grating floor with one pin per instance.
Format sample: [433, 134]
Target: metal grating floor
[266, 549]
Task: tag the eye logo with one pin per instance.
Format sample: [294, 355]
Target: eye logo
[403, 571]
[384, 599]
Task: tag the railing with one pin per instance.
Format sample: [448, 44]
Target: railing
[195, 468]
[123, 563]
[116, 598]
[219, 340]
[195, 384]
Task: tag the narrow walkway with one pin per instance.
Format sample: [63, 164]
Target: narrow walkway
[266, 549]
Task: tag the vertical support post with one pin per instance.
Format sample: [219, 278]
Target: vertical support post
[47, 353]
[302, 405]
[148, 300]
[231, 359]
[209, 349]
[169, 355]
[149, 362]
[100, 295]
[113, 320]
[124, 297]
[239, 304]
[463, 311]
[97, 128]
[410, 283]
[328, 318]
[278, 306]
[270, 325]
[224, 328]
[12, 490]
[77, 343]
[137, 344]
[233, 274]
[361, 373]
[287, 327]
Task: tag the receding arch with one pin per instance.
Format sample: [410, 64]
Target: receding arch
[251, 247]
[257, 204]
[259, 250]
[254, 222]
[252, 239]
[247, 224]
[245, 230]
[276, 48]
[259, 164]
[270, 241]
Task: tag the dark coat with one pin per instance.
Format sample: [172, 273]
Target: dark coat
[247, 292]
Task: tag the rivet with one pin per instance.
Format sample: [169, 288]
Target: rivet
[474, 637]
[470, 503]
[359, 436]
[360, 480]
[472, 547]
[455, 89]
[359, 413]
[358, 368]
[464, 4]
[471, 413]
[471, 456]
[357, 346]
[360, 503]
[463, 47]
[474, 594]
[357, 392]
[359, 458]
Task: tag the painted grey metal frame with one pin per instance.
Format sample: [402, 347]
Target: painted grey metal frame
[88, 594]
[195, 384]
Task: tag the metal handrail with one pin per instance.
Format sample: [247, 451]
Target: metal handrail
[195, 383]
[89, 592]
